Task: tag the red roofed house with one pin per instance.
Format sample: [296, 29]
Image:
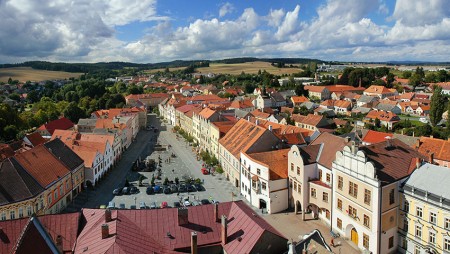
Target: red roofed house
[387, 119]
[379, 91]
[437, 150]
[59, 124]
[149, 100]
[297, 100]
[311, 121]
[320, 92]
[373, 137]
[33, 139]
[264, 179]
[201, 125]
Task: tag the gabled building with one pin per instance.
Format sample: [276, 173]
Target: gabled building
[62, 123]
[437, 150]
[379, 91]
[264, 179]
[245, 137]
[201, 126]
[387, 119]
[320, 92]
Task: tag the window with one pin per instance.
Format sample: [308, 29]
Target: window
[12, 215]
[365, 241]
[3, 217]
[433, 218]
[328, 178]
[313, 192]
[418, 231]
[447, 244]
[325, 197]
[299, 189]
[405, 225]
[339, 204]
[447, 223]
[290, 183]
[366, 221]
[339, 223]
[61, 190]
[391, 197]
[419, 212]
[432, 237]
[352, 211]
[406, 206]
[292, 167]
[263, 185]
[295, 186]
[55, 193]
[20, 212]
[29, 212]
[404, 243]
[391, 242]
[254, 184]
[327, 214]
[49, 199]
[258, 171]
[340, 182]
[353, 190]
[320, 175]
[67, 185]
[416, 250]
[298, 170]
[367, 196]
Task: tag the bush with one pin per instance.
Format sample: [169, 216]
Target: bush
[219, 169]
[166, 181]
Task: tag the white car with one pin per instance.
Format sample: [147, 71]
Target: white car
[423, 120]
[186, 203]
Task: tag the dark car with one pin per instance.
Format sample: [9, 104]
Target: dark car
[149, 190]
[166, 190]
[199, 187]
[190, 188]
[134, 190]
[174, 188]
[126, 190]
[117, 191]
[157, 189]
[205, 202]
[176, 204]
[182, 188]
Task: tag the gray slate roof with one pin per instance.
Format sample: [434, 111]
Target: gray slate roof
[64, 154]
[431, 178]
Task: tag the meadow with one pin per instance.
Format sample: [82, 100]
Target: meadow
[24, 74]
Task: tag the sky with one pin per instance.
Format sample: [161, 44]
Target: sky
[150, 31]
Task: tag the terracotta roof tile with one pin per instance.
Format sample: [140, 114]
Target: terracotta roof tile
[438, 147]
[35, 138]
[276, 161]
[332, 144]
[373, 137]
[58, 124]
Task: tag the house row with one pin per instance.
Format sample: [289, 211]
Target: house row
[43, 179]
[230, 227]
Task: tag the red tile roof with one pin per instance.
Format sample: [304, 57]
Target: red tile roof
[343, 88]
[35, 138]
[42, 165]
[438, 147]
[276, 161]
[299, 99]
[58, 124]
[383, 116]
[373, 137]
[331, 144]
[377, 90]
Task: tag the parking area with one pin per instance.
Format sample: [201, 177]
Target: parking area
[175, 159]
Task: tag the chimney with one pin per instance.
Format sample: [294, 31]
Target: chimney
[194, 242]
[59, 243]
[108, 216]
[256, 122]
[431, 158]
[418, 163]
[216, 212]
[270, 127]
[388, 141]
[224, 230]
[105, 231]
[182, 216]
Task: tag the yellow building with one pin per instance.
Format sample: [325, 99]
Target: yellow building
[425, 211]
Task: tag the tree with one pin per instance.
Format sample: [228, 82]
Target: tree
[437, 105]
[301, 91]
[33, 96]
[73, 112]
[10, 132]
[390, 78]
[406, 74]
[377, 123]
[14, 96]
[415, 80]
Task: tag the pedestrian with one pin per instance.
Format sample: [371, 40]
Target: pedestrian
[332, 242]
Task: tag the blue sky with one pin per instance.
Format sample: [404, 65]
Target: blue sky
[153, 31]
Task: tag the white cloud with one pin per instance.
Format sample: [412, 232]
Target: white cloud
[289, 25]
[275, 17]
[225, 9]
[421, 12]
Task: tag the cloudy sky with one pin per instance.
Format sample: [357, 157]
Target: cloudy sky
[150, 31]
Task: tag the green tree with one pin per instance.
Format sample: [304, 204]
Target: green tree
[10, 132]
[390, 78]
[406, 74]
[14, 96]
[415, 80]
[437, 105]
[301, 91]
[73, 112]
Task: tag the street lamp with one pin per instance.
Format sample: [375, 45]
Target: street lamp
[134, 202]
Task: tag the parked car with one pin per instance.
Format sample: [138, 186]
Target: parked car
[103, 207]
[134, 190]
[153, 205]
[176, 204]
[423, 120]
[186, 203]
[166, 190]
[164, 204]
[215, 201]
[174, 188]
[199, 187]
[205, 171]
[126, 190]
[117, 192]
[195, 203]
[157, 189]
[122, 206]
[190, 188]
[142, 205]
[111, 205]
[149, 190]
[182, 188]
[205, 202]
